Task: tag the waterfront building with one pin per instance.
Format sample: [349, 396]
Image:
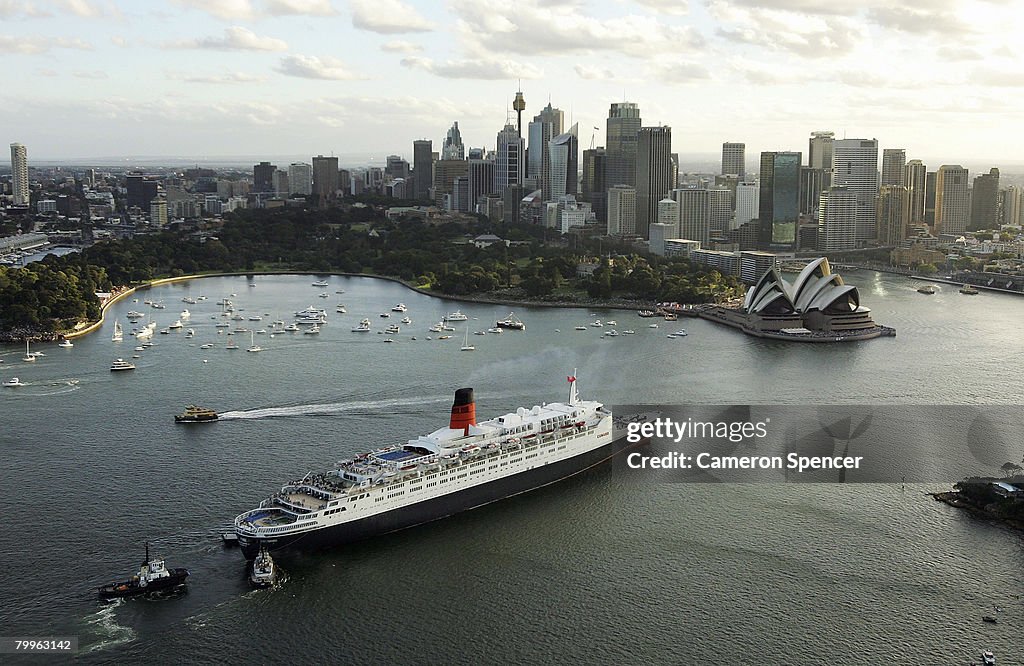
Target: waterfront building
[19, 174]
[453, 148]
[622, 210]
[779, 200]
[734, 160]
[915, 177]
[326, 178]
[263, 177]
[300, 179]
[855, 167]
[893, 162]
[653, 179]
[952, 200]
[837, 220]
[985, 201]
[422, 168]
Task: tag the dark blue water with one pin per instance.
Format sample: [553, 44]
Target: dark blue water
[602, 568]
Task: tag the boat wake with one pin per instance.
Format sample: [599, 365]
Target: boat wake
[103, 626]
[327, 408]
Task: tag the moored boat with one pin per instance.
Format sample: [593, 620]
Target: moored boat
[512, 322]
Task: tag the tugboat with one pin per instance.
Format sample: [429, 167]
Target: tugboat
[264, 571]
[153, 576]
[193, 414]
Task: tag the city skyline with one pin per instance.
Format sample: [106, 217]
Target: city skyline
[183, 78]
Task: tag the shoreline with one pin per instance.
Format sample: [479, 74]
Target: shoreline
[957, 500]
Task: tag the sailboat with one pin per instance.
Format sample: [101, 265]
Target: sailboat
[118, 335]
[253, 347]
[29, 357]
[465, 345]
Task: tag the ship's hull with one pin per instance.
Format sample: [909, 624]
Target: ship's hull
[435, 508]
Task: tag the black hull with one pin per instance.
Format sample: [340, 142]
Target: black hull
[130, 588]
[433, 509]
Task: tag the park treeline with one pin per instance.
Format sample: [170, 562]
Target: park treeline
[57, 292]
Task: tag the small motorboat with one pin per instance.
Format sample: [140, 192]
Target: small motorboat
[990, 619]
[67, 344]
[927, 289]
[264, 571]
[120, 365]
[13, 381]
[153, 576]
[988, 658]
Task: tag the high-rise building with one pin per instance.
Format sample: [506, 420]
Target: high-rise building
[929, 198]
[734, 159]
[893, 162]
[453, 148]
[819, 154]
[621, 143]
[593, 185]
[812, 182]
[747, 203]
[397, 167]
[668, 215]
[985, 201]
[445, 173]
[158, 212]
[141, 191]
[326, 179]
[282, 187]
[694, 214]
[720, 205]
[622, 210]
[653, 177]
[952, 200]
[855, 167]
[1013, 205]
[563, 164]
[481, 181]
[263, 177]
[300, 178]
[422, 168]
[19, 174]
[837, 220]
[893, 212]
[510, 167]
[779, 200]
[545, 126]
[915, 177]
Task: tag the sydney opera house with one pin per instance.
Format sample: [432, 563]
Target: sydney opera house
[817, 307]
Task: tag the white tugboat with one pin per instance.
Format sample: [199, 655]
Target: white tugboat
[264, 571]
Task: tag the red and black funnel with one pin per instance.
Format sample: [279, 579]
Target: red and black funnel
[463, 411]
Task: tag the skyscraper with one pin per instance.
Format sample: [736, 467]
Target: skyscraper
[929, 198]
[779, 205]
[545, 126]
[837, 220]
[19, 173]
[893, 161]
[1013, 203]
[300, 179]
[812, 182]
[563, 164]
[140, 191]
[509, 167]
[422, 168]
[893, 212]
[445, 173]
[668, 215]
[952, 200]
[453, 148]
[915, 177]
[481, 181]
[747, 203]
[653, 177]
[734, 159]
[620, 143]
[720, 205]
[985, 201]
[263, 177]
[326, 179]
[282, 188]
[855, 167]
[594, 187]
[819, 155]
[694, 214]
[622, 210]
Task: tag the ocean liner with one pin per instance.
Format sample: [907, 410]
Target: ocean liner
[462, 466]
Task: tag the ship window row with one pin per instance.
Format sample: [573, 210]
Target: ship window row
[478, 471]
[532, 455]
[562, 447]
[492, 467]
[431, 485]
[477, 463]
[517, 459]
[503, 464]
[333, 511]
[462, 476]
[400, 492]
[412, 490]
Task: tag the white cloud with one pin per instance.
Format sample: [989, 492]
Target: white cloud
[680, 72]
[312, 67]
[236, 38]
[592, 73]
[22, 9]
[82, 8]
[226, 78]
[400, 46]
[229, 10]
[36, 45]
[299, 7]
[673, 7]
[809, 36]
[96, 74]
[529, 28]
[474, 68]
[388, 17]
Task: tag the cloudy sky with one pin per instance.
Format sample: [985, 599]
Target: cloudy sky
[212, 78]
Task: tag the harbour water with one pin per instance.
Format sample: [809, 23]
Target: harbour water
[598, 569]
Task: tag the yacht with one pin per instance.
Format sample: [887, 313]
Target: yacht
[314, 330]
[652, 326]
[406, 320]
[320, 283]
[255, 318]
[208, 345]
[133, 314]
[118, 334]
[231, 344]
[253, 347]
[120, 365]
[597, 324]
[629, 331]
[311, 312]
[456, 316]
[401, 307]
[611, 334]
[385, 315]
[988, 658]
[465, 345]
[495, 330]
[340, 309]
[436, 328]
[14, 381]
[324, 295]
[159, 306]
[223, 324]
[510, 322]
[581, 328]
[189, 300]
[291, 328]
[363, 327]
[185, 314]
[190, 333]
[393, 329]
[29, 357]
[67, 344]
